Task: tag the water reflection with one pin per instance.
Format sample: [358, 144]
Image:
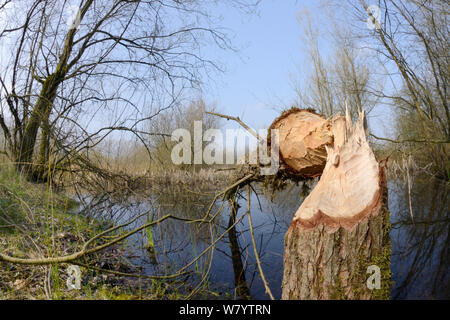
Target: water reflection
[420, 244]
[240, 283]
[420, 250]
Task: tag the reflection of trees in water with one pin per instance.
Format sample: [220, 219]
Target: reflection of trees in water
[420, 247]
[179, 242]
[272, 215]
[242, 289]
[282, 204]
[175, 242]
[420, 250]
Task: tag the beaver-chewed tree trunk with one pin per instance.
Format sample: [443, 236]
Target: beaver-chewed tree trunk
[342, 227]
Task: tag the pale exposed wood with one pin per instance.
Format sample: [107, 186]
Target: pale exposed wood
[349, 189]
[323, 265]
[342, 227]
[303, 136]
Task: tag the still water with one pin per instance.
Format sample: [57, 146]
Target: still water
[420, 238]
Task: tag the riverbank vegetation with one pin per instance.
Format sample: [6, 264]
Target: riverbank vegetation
[87, 111]
[38, 221]
[395, 67]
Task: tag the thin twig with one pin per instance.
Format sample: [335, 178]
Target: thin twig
[250, 224]
[253, 132]
[84, 251]
[408, 179]
[410, 140]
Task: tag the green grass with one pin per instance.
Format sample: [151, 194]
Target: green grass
[36, 221]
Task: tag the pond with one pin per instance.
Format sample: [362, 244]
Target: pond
[420, 238]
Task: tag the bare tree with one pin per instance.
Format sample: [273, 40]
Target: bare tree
[412, 43]
[182, 116]
[343, 76]
[65, 70]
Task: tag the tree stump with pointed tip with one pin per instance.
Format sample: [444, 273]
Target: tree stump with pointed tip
[343, 226]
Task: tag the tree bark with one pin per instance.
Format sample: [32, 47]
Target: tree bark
[343, 226]
[43, 108]
[40, 113]
[323, 265]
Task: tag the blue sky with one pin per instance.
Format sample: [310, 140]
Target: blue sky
[256, 81]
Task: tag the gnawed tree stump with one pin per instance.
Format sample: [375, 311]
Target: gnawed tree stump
[342, 227]
[323, 265]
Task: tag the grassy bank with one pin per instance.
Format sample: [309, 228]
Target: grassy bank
[36, 221]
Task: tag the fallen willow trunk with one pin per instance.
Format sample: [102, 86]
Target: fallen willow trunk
[342, 227]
